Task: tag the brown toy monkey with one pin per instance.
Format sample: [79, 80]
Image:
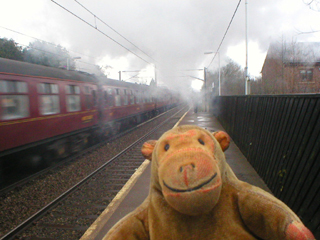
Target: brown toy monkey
[194, 194]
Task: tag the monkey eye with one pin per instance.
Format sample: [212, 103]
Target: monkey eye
[166, 147]
[201, 141]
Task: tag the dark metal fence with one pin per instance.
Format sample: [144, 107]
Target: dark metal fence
[280, 136]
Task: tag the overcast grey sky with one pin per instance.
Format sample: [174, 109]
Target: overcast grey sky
[175, 33]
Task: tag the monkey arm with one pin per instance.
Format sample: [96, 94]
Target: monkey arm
[132, 227]
[268, 217]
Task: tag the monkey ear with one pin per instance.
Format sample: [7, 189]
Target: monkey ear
[223, 138]
[147, 148]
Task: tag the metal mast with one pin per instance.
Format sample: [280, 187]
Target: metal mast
[247, 86]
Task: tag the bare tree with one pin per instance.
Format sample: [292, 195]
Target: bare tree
[232, 79]
[313, 4]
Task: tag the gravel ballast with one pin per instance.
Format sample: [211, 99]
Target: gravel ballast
[20, 203]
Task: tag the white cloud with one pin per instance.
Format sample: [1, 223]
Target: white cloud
[255, 56]
[175, 33]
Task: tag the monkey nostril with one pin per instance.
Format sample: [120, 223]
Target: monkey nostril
[190, 166]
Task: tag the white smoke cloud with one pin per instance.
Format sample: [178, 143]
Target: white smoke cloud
[175, 33]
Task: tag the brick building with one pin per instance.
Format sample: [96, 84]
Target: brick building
[291, 68]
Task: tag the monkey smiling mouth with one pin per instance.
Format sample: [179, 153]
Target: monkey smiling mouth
[191, 189]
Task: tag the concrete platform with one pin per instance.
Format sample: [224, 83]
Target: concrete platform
[137, 188]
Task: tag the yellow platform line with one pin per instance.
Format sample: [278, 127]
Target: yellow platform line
[112, 207]
[181, 118]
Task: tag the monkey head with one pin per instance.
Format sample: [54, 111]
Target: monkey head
[188, 167]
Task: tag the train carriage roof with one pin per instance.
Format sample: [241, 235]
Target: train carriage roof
[25, 68]
[117, 83]
[29, 69]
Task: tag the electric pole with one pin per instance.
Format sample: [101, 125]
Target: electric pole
[247, 79]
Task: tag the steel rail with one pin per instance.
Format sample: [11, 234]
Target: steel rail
[24, 225]
[23, 181]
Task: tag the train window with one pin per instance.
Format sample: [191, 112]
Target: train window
[73, 98]
[88, 100]
[137, 97]
[131, 97]
[72, 89]
[145, 98]
[14, 101]
[50, 88]
[13, 87]
[125, 97]
[49, 102]
[94, 96]
[86, 90]
[108, 97]
[14, 107]
[118, 98]
[73, 103]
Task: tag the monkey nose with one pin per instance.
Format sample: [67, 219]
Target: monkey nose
[186, 171]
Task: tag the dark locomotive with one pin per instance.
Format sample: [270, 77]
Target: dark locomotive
[47, 113]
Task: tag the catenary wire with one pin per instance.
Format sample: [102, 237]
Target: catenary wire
[216, 52]
[96, 17]
[100, 31]
[44, 41]
[41, 50]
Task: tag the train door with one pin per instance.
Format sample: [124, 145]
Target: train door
[90, 98]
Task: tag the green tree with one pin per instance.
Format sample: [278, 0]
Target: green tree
[10, 49]
[47, 54]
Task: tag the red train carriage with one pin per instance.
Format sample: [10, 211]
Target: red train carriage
[47, 112]
[38, 109]
[124, 103]
[165, 99]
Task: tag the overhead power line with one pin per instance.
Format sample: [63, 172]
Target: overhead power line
[216, 52]
[96, 17]
[100, 31]
[41, 50]
[26, 35]
[44, 41]
[135, 76]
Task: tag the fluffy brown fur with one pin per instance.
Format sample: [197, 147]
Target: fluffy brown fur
[194, 194]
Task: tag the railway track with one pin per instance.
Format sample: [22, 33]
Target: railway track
[70, 214]
[25, 177]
